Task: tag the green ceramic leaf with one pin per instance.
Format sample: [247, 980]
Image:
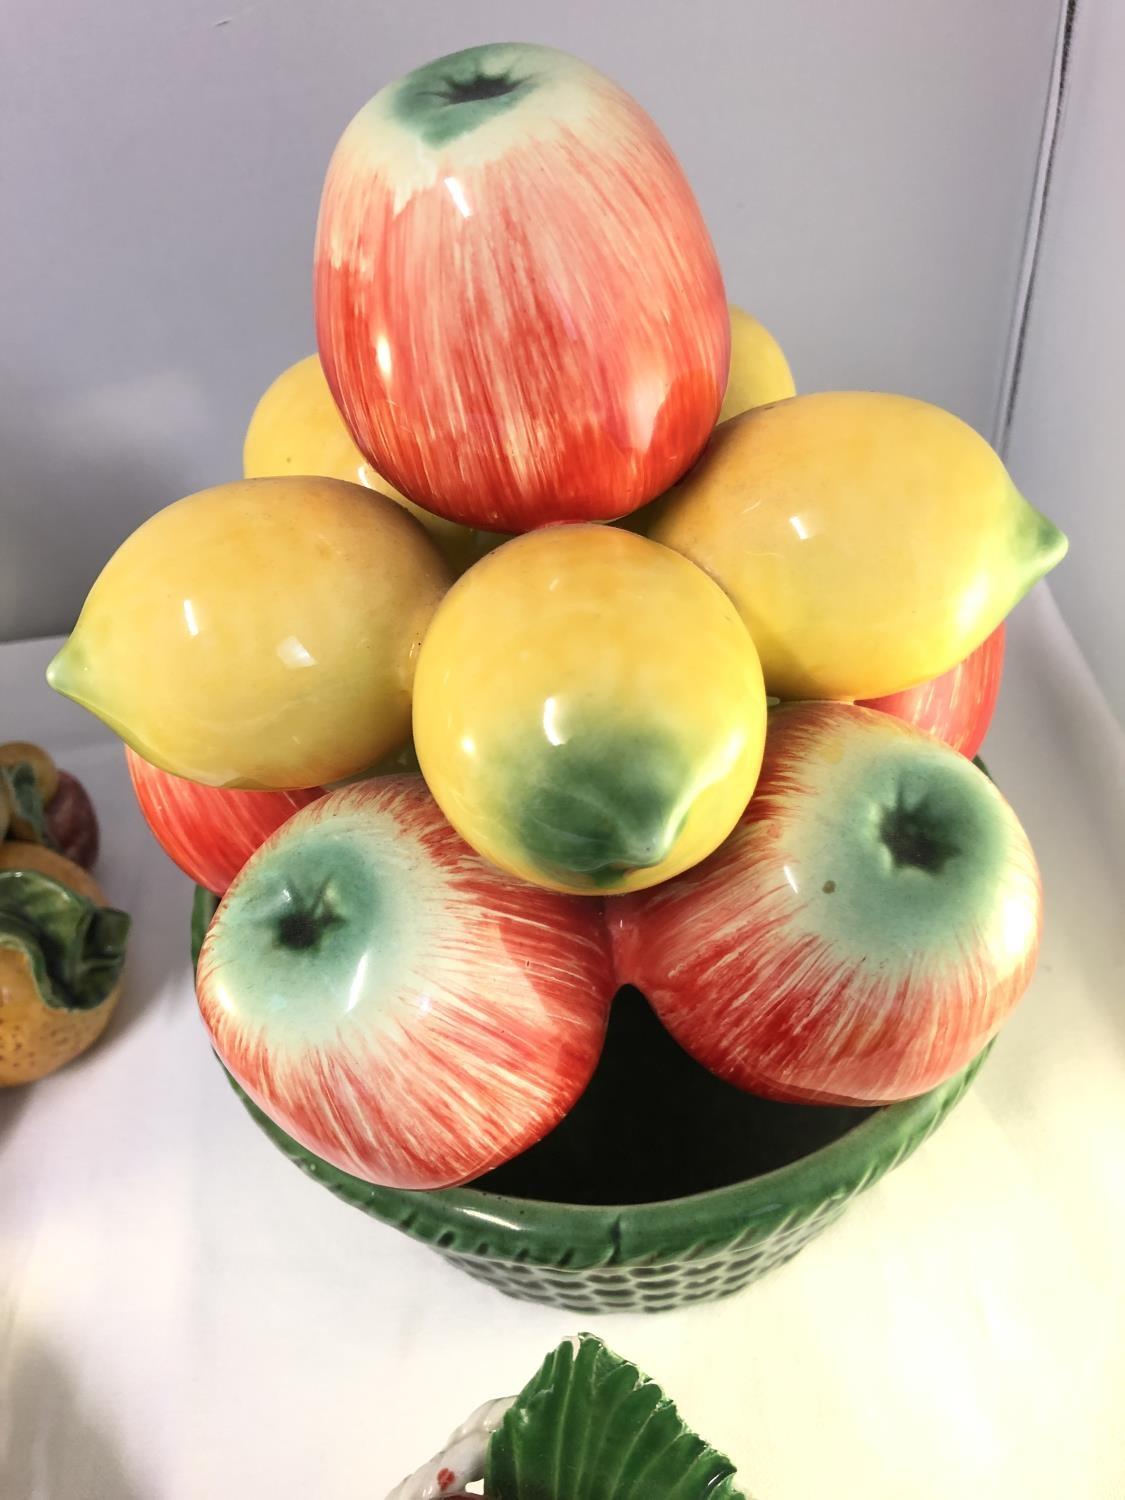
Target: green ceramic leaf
[26, 802]
[75, 949]
[590, 1425]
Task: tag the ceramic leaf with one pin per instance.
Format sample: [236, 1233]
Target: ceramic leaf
[590, 1424]
[75, 949]
[18, 783]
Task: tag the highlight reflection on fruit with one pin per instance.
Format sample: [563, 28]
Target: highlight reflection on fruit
[396, 1005]
[210, 832]
[870, 542]
[297, 429]
[759, 371]
[518, 305]
[259, 634]
[957, 706]
[589, 710]
[861, 935]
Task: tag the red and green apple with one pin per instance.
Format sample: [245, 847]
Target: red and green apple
[518, 305]
[210, 832]
[862, 934]
[957, 706]
[402, 1009]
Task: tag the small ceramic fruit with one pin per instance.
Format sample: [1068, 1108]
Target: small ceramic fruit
[28, 778]
[861, 935]
[759, 371]
[518, 305]
[401, 1009]
[957, 706]
[15, 854]
[72, 824]
[261, 634]
[588, 1424]
[43, 805]
[209, 831]
[589, 710]
[17, 752]
[870, 542]
[61, 954]
[297, 429]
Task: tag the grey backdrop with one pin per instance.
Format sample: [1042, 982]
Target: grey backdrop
[866, 170]
[1068, 435]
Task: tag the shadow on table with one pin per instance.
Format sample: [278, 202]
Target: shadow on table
[52, 1448]
[12, 1101]
[158, 971]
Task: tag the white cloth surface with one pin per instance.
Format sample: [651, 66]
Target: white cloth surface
[184, 1316]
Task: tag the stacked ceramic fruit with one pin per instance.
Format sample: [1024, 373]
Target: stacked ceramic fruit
[523, 329]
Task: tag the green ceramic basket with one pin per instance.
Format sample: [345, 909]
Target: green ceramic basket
[667, 1248]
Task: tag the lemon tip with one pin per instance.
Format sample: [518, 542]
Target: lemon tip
[57, 671]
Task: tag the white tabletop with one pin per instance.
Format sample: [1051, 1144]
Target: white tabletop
[184, 1316]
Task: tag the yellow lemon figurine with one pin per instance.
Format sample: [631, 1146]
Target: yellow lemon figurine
[589, 710]
[260, 634]
[870, 542]
[759, 371]
[297, 429]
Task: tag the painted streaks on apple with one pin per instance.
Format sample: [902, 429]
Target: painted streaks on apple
[210, 832]
[426, 1016]
[957, 706]
[523, 322]
[864, 931]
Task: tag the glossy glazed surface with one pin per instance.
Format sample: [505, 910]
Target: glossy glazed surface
[870, 542]
[260, 634]
[61, 956]
[865, 930]
[590, 1424]
[643, 1253]
[43, 768]
[589, 710]
[72, 822]
[957, 706]
[405, 1011]
[759, 371]
[209, 831]
[518, 305]
[462, 1459]
[297, 429]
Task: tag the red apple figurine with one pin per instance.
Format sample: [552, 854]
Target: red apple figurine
[957, 706]
[518, 306]
[864, 931]
[405, 1011]
[210, 832]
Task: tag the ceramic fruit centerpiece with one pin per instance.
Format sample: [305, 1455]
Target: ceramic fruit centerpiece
[457, 788]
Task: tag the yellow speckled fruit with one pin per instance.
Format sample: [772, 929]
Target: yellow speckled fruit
[35, 1038]
[296, 429]
[759, 371]
[18, 855]
[589, 710]
[870, 542]
[260, 634]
